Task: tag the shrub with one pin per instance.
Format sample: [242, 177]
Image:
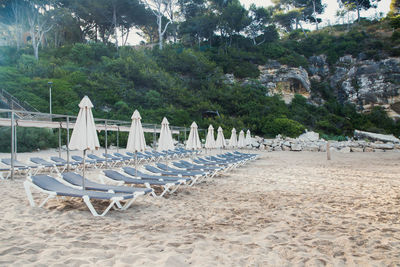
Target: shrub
[28, 139]
[284, 126]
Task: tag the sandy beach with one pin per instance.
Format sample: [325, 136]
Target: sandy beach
[283, 209]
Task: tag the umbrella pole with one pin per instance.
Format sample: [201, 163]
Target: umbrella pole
[166, 160]
[84, 167]
[136, 163]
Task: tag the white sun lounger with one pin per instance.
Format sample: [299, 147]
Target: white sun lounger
[54, 188]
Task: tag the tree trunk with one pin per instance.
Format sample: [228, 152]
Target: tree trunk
[315, 15]
[358, 11]
[304, 32]
[115, 26]
[127, 35]
[34, 41]
[160, 36]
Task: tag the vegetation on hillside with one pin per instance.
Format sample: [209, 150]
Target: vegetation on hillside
[185, 79]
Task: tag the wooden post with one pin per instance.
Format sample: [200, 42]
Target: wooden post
[106, 143]
[328, 150]
[12, 144]
[67, 143]
[59, 141]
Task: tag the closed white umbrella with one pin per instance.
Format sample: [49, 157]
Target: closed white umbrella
[241, 143]
[193, 141]
[210, 140]
[247, 141]
[220, 143]
[233, 140]
[136, 142]
[84, 136]
[165, 141]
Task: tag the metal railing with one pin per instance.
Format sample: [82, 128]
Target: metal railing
[20, 106]
[68, 119]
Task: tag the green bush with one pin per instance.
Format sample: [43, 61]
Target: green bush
[28, 139]
[284, 126]
[394, 22]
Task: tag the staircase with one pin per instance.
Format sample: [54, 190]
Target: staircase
[11, 102]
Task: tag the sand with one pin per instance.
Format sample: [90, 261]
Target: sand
[284, 209]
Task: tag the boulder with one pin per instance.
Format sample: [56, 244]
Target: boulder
[255, 144]
[268, 142]
[357, 149]
[387, 146]
[368, 149]
[285, 148]
[286, 143]
[229, 78]
[277, 148]
[296, 147]
[309, 137]
[376, 137]
[311, 147]
[345, 149]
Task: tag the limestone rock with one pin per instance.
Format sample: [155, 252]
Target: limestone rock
[345, 149]
[284, 80]
[368, 149]
[309, 137]
[296, 147]
[387, 146]
[357, 149]
[229, 78]
[255, 144]
[376, 137]
[285, 148]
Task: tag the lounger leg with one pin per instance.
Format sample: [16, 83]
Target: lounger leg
[176, 188]
[28, 192]
[130, 202]
[27, 186]
[89, 204]
[46, 199]
[166, 190]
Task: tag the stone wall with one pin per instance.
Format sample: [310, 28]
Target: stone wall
[310, 141]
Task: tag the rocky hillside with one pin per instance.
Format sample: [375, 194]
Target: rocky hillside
[365, 83]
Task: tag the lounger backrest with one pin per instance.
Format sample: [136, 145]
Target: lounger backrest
[74, 178]
[114, 175]
[132, 171]
[57, 159]
[39, 161]
[152, 169]
[77, 158]
[161, 166]
[50, 184]
[6, 161]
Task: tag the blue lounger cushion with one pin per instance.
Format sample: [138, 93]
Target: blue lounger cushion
[76, 179]
[50, 184]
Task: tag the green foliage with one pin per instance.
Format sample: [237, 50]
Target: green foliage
[394, 21]
[282, 125]
[29, 139]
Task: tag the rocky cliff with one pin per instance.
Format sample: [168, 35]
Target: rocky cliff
[364, 82]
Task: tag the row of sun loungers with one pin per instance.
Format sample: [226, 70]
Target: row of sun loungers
[59, 165]
[132, 183]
